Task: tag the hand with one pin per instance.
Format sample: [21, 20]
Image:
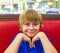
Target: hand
[36, 37]
[26, 38]
[23, 37]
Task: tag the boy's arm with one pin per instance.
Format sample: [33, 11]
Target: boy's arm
[48, 47]
[13, 48]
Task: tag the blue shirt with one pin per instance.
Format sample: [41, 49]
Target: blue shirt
[25, 48]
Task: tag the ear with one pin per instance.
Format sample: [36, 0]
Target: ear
[19, 26]
[20, 29]
[42, 25]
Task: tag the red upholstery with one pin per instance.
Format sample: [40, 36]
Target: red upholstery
[9, 28]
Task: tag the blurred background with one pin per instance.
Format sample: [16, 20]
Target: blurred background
[18, 6]
[9, 14]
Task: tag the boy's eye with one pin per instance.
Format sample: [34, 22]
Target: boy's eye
[27, 24]
[35, 23]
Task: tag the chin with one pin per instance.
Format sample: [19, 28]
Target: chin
[31, 36]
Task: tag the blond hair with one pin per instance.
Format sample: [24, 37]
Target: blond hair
[30, 15]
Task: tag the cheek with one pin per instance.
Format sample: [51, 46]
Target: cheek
[24, 28]
[37, 28]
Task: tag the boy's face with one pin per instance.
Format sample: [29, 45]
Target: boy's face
[30, 28]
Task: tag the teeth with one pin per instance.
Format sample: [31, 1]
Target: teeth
[31, 32]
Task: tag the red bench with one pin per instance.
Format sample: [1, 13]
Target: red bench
[9, 28]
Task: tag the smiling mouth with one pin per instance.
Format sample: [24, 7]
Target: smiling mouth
[31, 32]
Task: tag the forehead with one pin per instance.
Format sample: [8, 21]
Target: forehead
[29, 22]
[27, 19]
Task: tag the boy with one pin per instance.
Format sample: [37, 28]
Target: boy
[31, 40]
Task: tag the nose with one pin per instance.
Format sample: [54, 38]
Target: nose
[31, 27]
